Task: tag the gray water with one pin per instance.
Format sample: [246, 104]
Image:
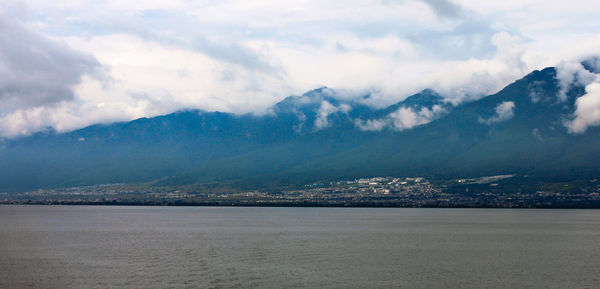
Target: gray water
[220, 247]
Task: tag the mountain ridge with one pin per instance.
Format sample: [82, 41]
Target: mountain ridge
[316, 136]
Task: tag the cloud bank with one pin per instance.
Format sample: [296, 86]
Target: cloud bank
[36, 72]
[69, 64]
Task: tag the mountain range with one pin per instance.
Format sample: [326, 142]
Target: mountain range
[320, 136]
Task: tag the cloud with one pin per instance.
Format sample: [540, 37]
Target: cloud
[537, 92]
[401, 119]
[444, 8]
[569, 74]
[504, 112]
[592, 64]
[35, 70]
[404, 118]
[372, 124]
[587, 111]
[472, 79]
[237, 53]
[147, 81]
[244, 56]
[325, 110]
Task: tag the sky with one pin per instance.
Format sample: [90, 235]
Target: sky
[68, 64]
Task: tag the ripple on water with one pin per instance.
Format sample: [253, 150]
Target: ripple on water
[155, 247]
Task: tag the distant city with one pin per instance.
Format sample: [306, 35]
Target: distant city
[500, 191]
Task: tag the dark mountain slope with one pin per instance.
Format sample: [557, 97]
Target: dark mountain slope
[532, 141]
[315, 136]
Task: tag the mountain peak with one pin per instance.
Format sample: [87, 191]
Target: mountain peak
[307, 101]
[427, 97]
[320, 89]
[320, 134]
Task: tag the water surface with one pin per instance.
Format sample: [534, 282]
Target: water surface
[232, 247]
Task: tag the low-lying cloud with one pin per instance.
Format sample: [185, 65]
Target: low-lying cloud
[504, 111]
[570, 74]
[401, 119]
[587, 111]
[583, 71]
[325, 110]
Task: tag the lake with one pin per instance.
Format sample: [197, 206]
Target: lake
[239, 247]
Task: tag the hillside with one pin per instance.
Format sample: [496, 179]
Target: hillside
[318, 136]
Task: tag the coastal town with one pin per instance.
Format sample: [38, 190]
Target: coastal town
[490, 191]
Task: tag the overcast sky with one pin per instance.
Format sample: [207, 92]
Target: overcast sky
[70, 63]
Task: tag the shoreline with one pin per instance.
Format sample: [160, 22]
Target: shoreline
[293, 205]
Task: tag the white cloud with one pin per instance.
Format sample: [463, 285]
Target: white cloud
[243, 56]
[592, 64]
[372, 124]
[572, 73]
[35, 70]
[537, 92]
[587, 111]
[471, 79]
[401, 119]
[325, 110]
[146, 80]
[404, 118]
[504, 112]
